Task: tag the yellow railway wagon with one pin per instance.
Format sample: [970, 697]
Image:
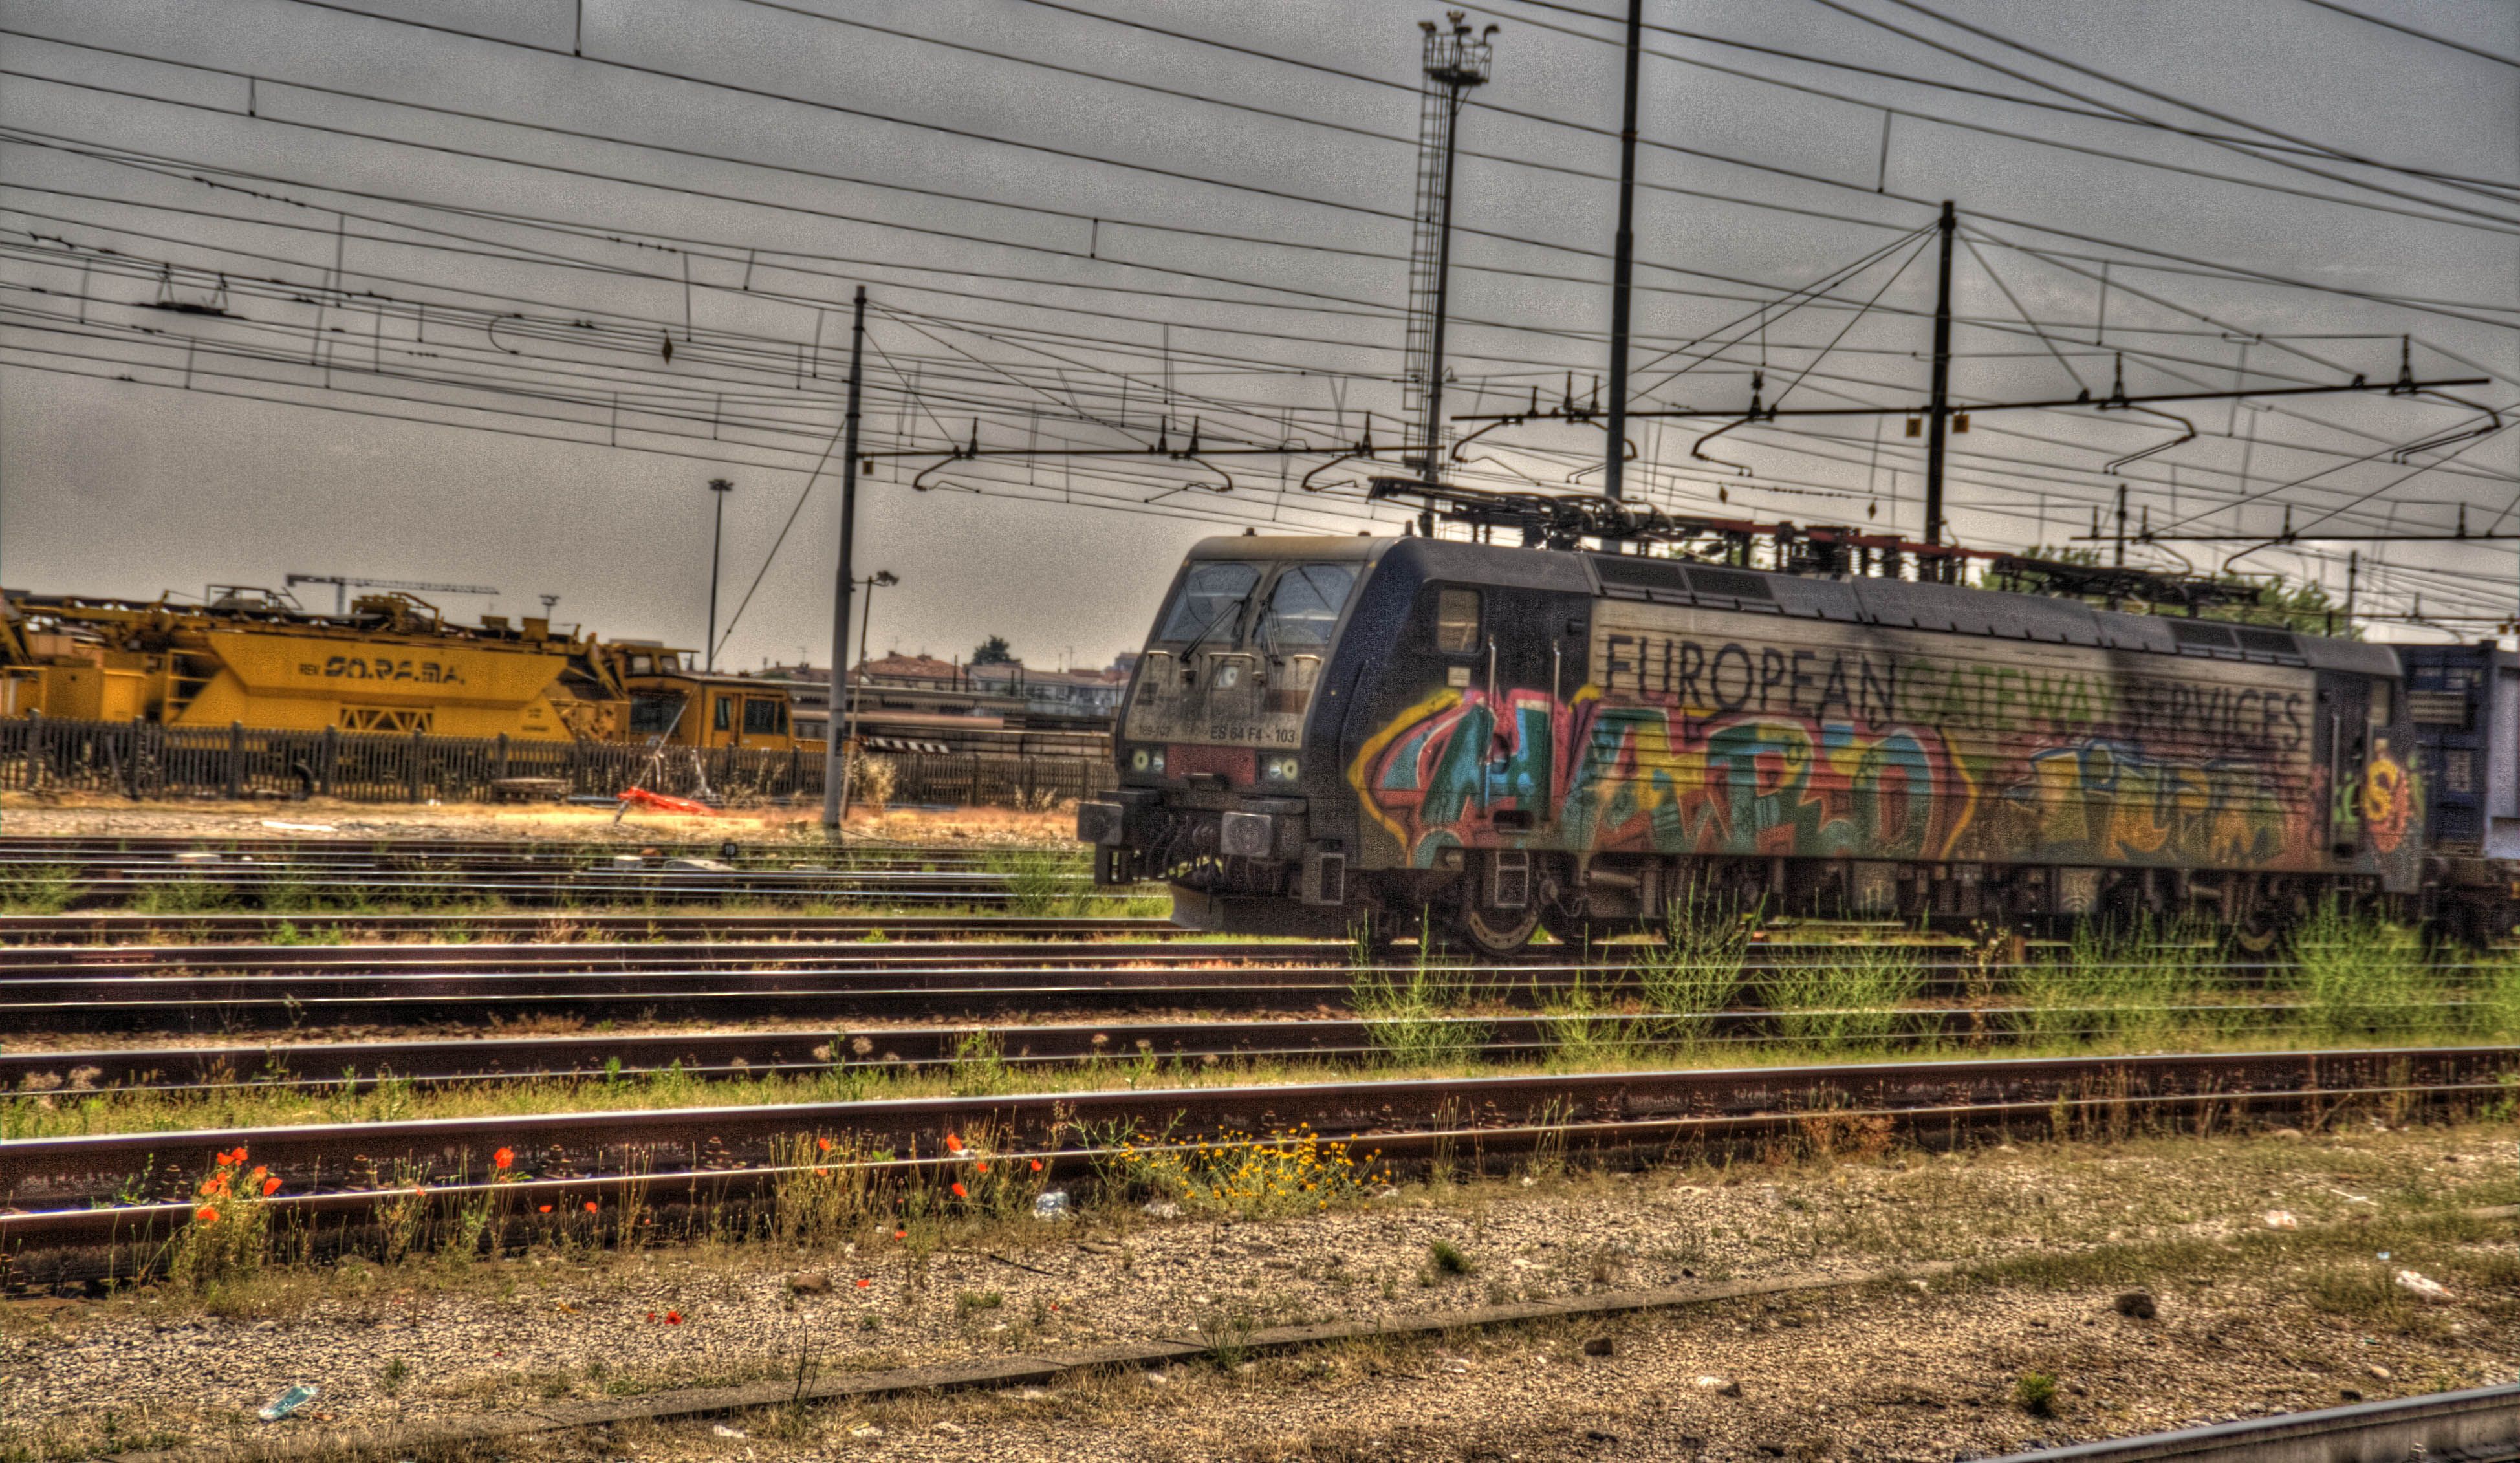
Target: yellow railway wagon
[247, 656]
[392, 664]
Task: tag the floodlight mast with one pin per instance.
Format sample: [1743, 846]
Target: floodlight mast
[1454, 62]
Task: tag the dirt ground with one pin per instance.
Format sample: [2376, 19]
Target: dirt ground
[86, 816]
[2252, 1317]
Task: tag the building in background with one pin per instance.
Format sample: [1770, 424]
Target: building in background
[920, 704]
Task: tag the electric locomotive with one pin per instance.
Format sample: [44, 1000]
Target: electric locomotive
[1323, 733]
[2464, 701]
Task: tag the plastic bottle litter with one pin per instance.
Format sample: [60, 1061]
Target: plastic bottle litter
[2281, 1219]
[289, 1402]
[1050, 1206]
[1163, 1209]
[723, 1431]
[2423, 1287]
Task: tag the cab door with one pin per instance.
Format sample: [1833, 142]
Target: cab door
[2343, 745]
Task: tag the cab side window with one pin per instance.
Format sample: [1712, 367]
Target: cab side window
[725, 717]
[762, 718]
[1456, 620]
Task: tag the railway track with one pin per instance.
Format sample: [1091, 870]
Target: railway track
[350, 875]
[280, 1003]
[142, 1183]
[2481, 1425]
[241, 986]
[1339, 1038]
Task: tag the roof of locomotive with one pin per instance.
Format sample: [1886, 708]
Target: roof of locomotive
[1892, 603]
[1310, 545]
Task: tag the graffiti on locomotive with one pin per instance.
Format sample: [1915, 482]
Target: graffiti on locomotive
[1885, 746]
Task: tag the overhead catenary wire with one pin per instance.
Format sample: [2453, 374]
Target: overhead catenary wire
[1804, 176]
[2369, 18]
[1000, 382]
[1977, 58]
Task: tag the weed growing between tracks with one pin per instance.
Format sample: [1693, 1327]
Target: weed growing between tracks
[1696, 970]
[1411, 1018]
[45, 889]
[1271, 1175]
[1042, 882]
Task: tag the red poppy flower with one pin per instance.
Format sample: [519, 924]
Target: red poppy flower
[901, 1234]
[652, 1316]
[207, 1215]
[258, 1172]
[953, 1144]
[862, 1284]
[957, 1192]
[673, 1317]
[984, 1168]
[824, 1143]
[1036, 1166]
[503, 1158]
[546, 1209]
[270, 1187]
[590, 1206]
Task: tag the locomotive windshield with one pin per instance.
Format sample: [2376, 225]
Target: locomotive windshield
[1305, 606]
[1298, 613]
[1212, 595]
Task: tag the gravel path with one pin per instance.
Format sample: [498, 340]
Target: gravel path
[1853, 1374]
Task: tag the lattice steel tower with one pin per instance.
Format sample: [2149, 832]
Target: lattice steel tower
[1455, 63]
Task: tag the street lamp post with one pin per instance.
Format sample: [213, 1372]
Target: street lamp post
[719, 487]
[883, 579]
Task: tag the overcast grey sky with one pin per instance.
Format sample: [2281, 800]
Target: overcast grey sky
[461, 224]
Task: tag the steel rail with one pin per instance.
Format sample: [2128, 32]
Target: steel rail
[363, 845]
[198, 1004]
[327, 876]
[560, 890]
[114, 927]
[272, 960]
[2480, 1425]
[1617, 963]
[47, 1180]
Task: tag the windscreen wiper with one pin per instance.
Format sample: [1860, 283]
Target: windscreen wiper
[1209, 628]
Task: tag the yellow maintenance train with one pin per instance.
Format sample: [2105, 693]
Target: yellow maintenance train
[391, 664]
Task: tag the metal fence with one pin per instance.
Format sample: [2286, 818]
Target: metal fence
[144, 760]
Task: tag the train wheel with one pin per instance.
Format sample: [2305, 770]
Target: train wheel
[1497, 933]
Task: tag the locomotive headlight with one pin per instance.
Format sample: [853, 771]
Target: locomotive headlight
[1280, 769]
[1159, 756]
[1137, 760]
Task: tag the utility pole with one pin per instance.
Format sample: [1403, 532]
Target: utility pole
[1940, 409]
[719, 487]
[835, 776]
[1624, 268]
[882, 579]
